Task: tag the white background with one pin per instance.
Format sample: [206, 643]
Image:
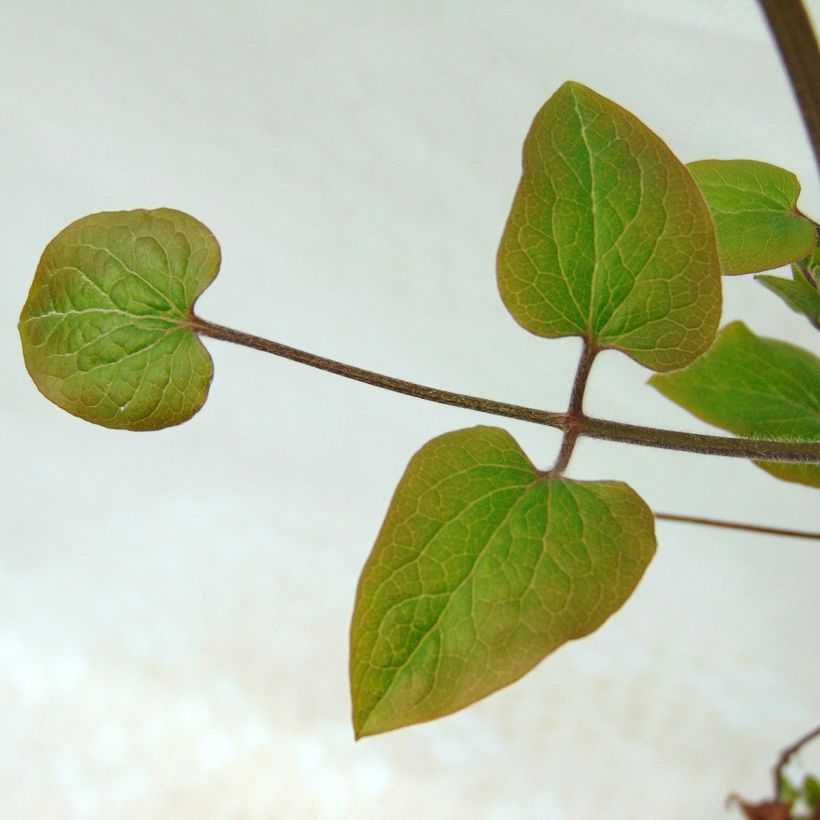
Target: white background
[174, 606]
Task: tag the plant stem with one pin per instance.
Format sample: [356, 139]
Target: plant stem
[786, 754]
[792, 29]
[349, 371]
[807, 452]
[736, 525]
[802, 452]
[574, 416]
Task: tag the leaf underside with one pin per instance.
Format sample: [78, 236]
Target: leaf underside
[754, 207]
[754, 387]
[106, 327]
[608, 236]
[481, 569]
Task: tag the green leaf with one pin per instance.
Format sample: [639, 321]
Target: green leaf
[608, 236]
[754, 206]
[812, 267]
[811, 791]
[788, 792]
[482, 568]
[106, 327]
[796, 292]
[757, 388]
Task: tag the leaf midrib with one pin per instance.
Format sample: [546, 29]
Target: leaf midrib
[593, 209]
[165, 297]
[468, 576]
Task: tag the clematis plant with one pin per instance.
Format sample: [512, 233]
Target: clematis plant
[485, 562]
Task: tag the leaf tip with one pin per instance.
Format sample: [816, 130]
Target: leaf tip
[360, 728]
[573, 86]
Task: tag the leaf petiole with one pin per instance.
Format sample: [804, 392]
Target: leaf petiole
[575, 414]
[736, 525]
[789, 451]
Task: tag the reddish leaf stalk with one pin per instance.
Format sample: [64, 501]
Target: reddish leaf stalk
[761, 449]
[574, 417]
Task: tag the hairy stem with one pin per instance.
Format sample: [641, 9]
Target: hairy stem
[349, 371]
[575, 414]
[792, 30]
[803, 452]
[736, 525]
[758, 449]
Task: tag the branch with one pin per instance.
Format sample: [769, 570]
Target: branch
[793, 33]
[349, 371]
[786, 755]
[802, 452]
[736, 525]
[807, 452]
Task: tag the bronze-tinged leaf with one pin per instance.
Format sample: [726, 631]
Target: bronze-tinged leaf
[609, 237]
[483, 567]
[106, 327]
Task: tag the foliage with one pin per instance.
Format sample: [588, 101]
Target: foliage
[485, 564]
[790, 801]
[105, 328]
[755, 387]
[800, 292]
[754, 206]
[482, 567]
[608, 237]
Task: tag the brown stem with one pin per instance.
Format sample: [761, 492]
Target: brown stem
[800, 452]
[786, 754]
[736, 525]
[349, 371]
[793, 33]
[575, 413]
[757, 449]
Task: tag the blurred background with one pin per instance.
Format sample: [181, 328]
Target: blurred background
[174, 606]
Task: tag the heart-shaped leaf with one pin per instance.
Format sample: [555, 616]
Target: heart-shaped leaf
[481, 569]
[609, 237]
[106, 327]
[757, 388]
[754, 206]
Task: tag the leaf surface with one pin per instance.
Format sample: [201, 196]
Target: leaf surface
[481, 569]
[609, 237]
[796, 292]
[106, 327]
[754, 207]
[757, 388]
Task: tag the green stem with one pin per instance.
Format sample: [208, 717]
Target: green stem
[800, 452]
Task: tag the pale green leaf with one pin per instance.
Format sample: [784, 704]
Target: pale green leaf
[609, 237]
[481, 569]
[812, 266]
[106, 327]
[811, 791]
[757, 388]
[787, 792]
[754, 206]
[797, 293]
